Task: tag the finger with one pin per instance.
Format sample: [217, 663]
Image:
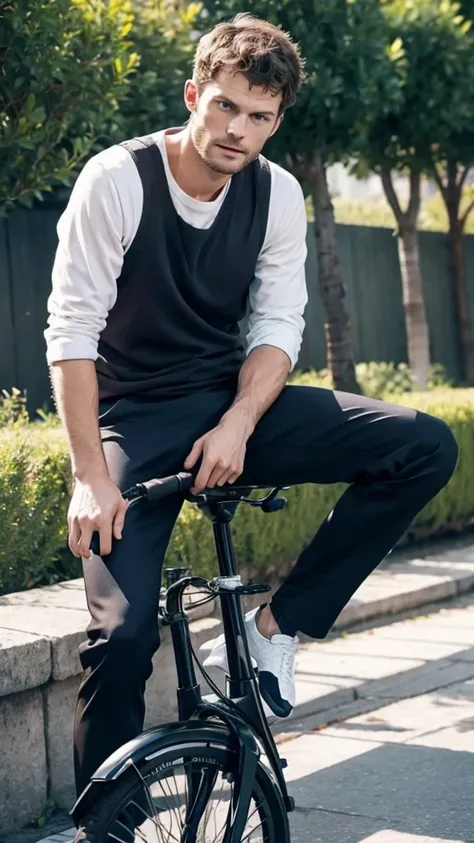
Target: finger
[85, 540]
[202, 480]
[233, 477]
[194, 454]
[73, 539]
[218, 476]
[119, 520]
[105, 539]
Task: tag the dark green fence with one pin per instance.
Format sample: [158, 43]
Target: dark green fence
[370, 268]
[369, 264]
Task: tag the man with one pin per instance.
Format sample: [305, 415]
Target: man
[164, 243]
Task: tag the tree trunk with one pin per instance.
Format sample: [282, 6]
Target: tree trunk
[412, 288]
[413, 302]
[452, 194]
[463, 319]
[340, 354]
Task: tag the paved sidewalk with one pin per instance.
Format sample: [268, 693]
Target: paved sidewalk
[396, 765]
[402, 774]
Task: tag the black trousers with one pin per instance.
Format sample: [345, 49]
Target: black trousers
[395, 460]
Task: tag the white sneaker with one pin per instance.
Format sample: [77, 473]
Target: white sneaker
[275, 660]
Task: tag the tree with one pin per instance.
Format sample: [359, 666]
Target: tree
[162, 36]
[63, 66]
[422, 36]
[452, 159]
[347, 70]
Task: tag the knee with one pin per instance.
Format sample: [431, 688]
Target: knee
[131, 654]
[443, 446]
[123, 652]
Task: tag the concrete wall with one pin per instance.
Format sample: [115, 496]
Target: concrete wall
[40, 671]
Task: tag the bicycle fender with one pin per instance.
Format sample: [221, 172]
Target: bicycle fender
[140, 749]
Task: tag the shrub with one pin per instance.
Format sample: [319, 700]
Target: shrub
[35, 493]
[378, 379]
[66, 63]
[34, 498]
[162, 37]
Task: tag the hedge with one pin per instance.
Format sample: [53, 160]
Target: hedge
[35, 493]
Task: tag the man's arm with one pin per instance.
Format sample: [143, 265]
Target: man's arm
[87, 262]
[76, 394]
[261, 379]
[278, 297]
[96, 503]
[278, 294]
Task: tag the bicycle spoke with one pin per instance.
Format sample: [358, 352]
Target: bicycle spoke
[181, 806]
[152, 819]
[247, 836]
[140, 834]
[156, 820]
[222, 827]
[169, 832]
[173, 807]
[113, 836]
[161, 806]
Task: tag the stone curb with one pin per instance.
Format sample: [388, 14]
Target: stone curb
[397, 603]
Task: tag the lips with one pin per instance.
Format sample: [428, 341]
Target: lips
[230, 148]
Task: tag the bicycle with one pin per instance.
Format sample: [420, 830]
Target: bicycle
[217, 741]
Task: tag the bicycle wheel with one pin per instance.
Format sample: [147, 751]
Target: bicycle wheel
[154, 799]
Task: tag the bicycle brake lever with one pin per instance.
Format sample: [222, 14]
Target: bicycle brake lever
[274, 505]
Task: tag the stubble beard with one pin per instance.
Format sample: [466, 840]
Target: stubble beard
[198, 138]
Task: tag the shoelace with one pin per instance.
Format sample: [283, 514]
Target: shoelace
[288, 661]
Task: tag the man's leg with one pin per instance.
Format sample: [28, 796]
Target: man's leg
[123, 594]
[141, 439]
[395, 460]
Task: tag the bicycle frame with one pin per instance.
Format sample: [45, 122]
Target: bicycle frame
[241, 717]
[242, 686]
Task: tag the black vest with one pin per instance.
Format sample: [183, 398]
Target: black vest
[174, 328]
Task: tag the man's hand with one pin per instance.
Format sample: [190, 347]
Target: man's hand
[96, 505]
[223, 453]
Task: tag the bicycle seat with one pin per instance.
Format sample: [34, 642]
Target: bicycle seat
[222, 494]
[233, 495]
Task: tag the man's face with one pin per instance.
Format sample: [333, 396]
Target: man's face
[231, 120]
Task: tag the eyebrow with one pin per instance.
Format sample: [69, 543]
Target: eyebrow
[257, 111]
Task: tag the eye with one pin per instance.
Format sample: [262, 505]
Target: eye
[260, 118]
[226, 106]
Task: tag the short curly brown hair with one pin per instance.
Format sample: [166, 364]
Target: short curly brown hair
[264, 53]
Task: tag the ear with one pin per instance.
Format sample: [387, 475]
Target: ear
[277, 125]
[191, 94]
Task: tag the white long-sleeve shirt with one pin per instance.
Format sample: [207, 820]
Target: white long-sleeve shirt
[100, 223]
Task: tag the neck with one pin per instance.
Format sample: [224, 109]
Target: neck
[189, 170]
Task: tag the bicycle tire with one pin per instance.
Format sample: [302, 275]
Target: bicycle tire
[215, 749]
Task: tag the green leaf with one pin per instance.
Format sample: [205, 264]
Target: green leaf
[396, 48]
[65, 82]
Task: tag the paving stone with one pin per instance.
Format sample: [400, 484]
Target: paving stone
[414, 718]
[426, 678]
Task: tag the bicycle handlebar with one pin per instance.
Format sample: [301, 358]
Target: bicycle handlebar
[158, 488]
[153, 490]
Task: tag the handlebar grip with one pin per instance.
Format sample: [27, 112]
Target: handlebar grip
[162, 487]
[152, 490]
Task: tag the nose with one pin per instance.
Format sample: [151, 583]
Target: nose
[236, 127]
